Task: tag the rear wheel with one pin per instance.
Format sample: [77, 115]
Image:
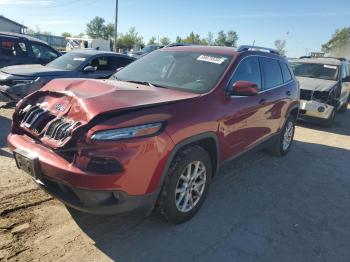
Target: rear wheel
[186, 185]
[282, 144]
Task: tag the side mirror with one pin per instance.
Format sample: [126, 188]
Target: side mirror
[89, 69]
[346, 79]
[244, 88]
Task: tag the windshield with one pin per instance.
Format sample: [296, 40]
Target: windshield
[189, 71]
[70, 61]
[320, 71]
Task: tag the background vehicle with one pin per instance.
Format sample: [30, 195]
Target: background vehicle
[324, 87]
[146, 50]
[159, 133]
[18, 49]
[83, 43]
[21, 80]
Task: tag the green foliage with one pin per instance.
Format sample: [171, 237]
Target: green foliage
[229, 39]
[193, 38]
[130, 39]
[96, 28]
[179, 39]
[66, 34]
[165, 40]
[280, 46]
[210, 39]
[339, 39]
[152, 41]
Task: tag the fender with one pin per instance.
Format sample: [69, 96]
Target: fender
[181, 144]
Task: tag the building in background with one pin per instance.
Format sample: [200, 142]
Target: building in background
[8, 25]
[57, 42]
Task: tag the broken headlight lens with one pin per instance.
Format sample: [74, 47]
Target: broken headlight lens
[129, 132]
[321, 96]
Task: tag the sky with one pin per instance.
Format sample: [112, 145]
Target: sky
[305, 25]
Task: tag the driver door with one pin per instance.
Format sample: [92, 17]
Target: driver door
[243, 125]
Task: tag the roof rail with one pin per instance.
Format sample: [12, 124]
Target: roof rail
[338, 58]
[243, 48]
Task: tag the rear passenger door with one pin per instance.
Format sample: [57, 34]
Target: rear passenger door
[13, 52]
[275, 92]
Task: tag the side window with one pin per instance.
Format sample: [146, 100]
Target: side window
[344, 71]
[102, 63]
[272, 72]
[118, 62]
[248, 70]
[13, 48]
[43, 52]
[287, 76]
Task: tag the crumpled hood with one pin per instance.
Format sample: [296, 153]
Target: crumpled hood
[315, 84]
[32, 70]
[82, 99]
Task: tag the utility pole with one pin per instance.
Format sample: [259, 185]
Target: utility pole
[116, 26]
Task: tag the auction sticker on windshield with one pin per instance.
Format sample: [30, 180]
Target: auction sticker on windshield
[211, 59]
[79, 59]
[330, 66]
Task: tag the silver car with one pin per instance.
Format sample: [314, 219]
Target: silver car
[324, 87]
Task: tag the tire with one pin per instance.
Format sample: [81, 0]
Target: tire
[169, 202]
[344, 108]
[280, 147]
[329, 122]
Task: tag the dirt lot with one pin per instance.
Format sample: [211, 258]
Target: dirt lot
[260, 208]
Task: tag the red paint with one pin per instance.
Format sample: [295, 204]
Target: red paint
[239, 123]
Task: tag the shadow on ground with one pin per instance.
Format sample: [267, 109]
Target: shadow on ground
[260, 208]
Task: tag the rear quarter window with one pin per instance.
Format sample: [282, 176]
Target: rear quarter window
[287, 76]
[272, 73]
[10, 47]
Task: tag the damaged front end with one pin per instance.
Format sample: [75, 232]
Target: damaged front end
[13, 90]
[319, 104]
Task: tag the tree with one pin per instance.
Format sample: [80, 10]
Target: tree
[179, 39]
[232, 39]
[66, 34]
[130, 39]
[152, 41]
[340, 39]
[280, 46]
[210, 39]
[165, 40]
[96, 27]
[229, 39]
[108, 32]
[193, 38]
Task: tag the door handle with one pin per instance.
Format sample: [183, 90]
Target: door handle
[288, 93]
[262, 101]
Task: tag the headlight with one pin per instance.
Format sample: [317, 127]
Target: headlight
[129, 132]
[25, 81]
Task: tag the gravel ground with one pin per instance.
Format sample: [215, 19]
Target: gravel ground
[260, 208]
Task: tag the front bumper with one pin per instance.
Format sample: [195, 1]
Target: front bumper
[314, 109]
[98, 202]
[136, 188]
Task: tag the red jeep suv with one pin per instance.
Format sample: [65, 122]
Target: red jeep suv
[157, 131]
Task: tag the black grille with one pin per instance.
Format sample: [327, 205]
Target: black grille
[60, 128]
[305, 94]
[35, 118]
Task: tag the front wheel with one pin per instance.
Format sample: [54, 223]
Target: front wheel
[282, 144]
[186, 185]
